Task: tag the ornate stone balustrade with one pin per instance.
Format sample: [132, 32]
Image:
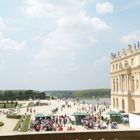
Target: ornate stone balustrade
[89, 135]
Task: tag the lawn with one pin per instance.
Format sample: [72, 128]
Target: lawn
[7, 105]
[18, 124]
[26, 124]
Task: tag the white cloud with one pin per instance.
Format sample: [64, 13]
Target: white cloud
[104, 8]
[74, 31]
[103, 60]
[61, 45]
[34, 7]
[51, 8]
[131, 38]
[9, 44]
[2, 24]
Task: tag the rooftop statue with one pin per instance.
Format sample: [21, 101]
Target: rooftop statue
[123, 52]
[129, 50]
[113, 55]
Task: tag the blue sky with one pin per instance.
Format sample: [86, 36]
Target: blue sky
[65, 44]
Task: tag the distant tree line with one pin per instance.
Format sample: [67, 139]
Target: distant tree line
[97, 93]
[87, 93]
[21, 94]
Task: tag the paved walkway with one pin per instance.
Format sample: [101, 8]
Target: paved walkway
[9, 124]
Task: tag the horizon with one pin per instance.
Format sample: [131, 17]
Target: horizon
[47, 45]
[53, 89]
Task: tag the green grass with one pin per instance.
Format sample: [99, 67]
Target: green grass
[18, 124]
[7, 105]
[26, 124]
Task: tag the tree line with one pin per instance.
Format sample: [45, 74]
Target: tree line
[87, 93]
[21, 94]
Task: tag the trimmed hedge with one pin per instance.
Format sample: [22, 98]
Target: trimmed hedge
[18, 124]
[13, 116]
[1, 124]
[26, 124]
[7, 105]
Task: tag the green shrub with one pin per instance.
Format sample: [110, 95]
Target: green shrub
[1, 124]
[13, 116]
[7, 105]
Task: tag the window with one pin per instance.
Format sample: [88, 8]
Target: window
[114, 102]
[114, 85]
[117, 103]
[123, 105]
[126, 64]
[120, 65]
[116, 66]
[117, 85]
[132, 61]
[113, 67]
[133, 105]
[137, 84]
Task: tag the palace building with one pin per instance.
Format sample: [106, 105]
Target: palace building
[125, 79]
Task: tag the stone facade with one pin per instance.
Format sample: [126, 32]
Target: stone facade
[125, 79]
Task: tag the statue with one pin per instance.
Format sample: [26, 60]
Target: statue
[112, 56]
[129, 48]
[123, 52]
[135, 46]
[138, 44]
[118, 53]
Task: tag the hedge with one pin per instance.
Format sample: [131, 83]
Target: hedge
[1, 124]
[13, 116]
[18, 124]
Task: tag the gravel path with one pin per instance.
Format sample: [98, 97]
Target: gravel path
[9, 124]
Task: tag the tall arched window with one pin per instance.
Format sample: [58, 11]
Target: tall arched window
[126, 64]
[117, 102]
[133, 83]
[123, 105]
[113, 102]
[113, 84]
[117, 85]
[132, 61]
[120, 65]
[116, 66]
[133, 105]
[113, 68]
[137, 84]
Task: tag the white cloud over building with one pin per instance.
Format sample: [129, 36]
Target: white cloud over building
[104, 8]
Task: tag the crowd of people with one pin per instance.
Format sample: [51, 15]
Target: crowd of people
[55, 123]
[93, 120]
[7, 111]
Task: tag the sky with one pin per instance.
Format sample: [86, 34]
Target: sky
[63, 44]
